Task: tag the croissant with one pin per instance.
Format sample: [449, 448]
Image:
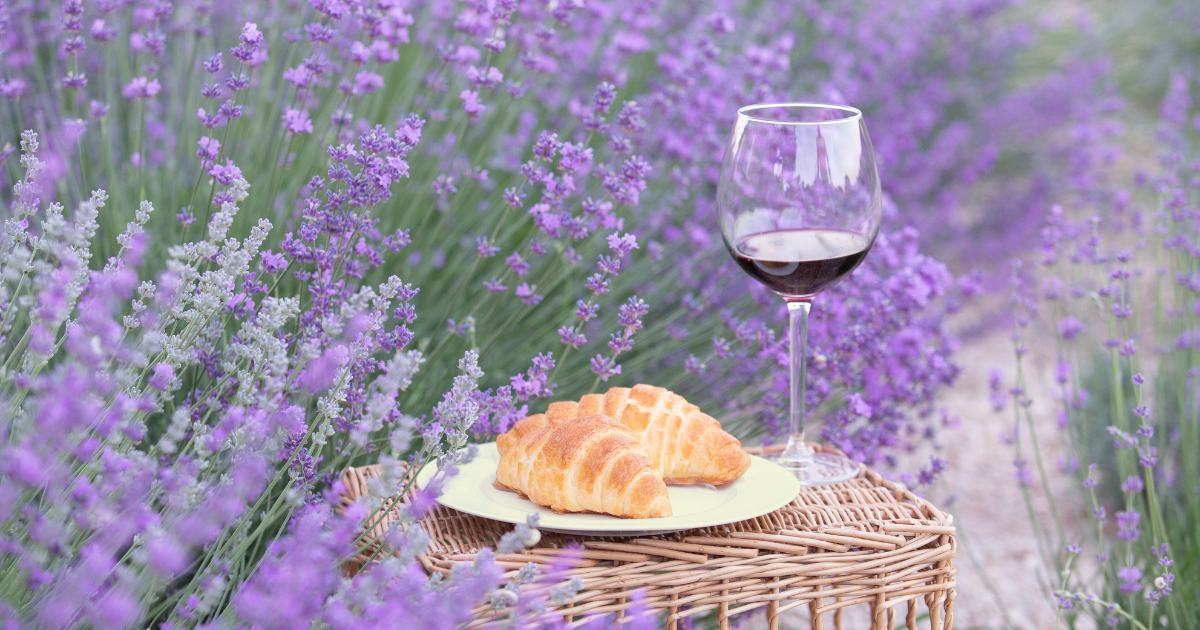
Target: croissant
[686, 444]
[591, 464]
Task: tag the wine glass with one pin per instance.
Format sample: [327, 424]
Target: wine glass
[800, 207]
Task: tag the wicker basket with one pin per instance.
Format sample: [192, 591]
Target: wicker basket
[866, 542]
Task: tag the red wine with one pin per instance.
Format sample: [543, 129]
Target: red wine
[802, 262]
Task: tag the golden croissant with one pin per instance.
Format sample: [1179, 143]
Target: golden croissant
[686, 444]
[591, 464]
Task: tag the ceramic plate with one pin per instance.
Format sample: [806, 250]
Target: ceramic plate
[764, 488]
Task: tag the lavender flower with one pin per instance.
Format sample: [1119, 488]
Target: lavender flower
[526, 292]
[297, 121]
[1130, 579]
[517, 265]
[485, 249]
[605, 367]
[140, 88]
[205, 385]
[471, 103]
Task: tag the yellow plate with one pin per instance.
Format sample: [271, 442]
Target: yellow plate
[764, 488]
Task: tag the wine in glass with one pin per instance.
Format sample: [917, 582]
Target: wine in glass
[800, 205]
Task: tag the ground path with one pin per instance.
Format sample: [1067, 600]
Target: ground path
[980, 489]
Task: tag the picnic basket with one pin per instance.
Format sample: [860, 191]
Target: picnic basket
[867, 542]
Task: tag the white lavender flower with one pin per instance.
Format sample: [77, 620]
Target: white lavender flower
[397, 375]
[137, 227]
[458, 410]
[176, 431]
[262, 353]
[222, 220]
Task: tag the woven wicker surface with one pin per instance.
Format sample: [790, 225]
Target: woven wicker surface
[866, 542]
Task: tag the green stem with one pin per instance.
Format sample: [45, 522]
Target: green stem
[141, 165]
[185, 107]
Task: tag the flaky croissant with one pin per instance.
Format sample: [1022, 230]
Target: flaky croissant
[591, 464]
[686, 444]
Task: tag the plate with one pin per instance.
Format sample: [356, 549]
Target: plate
[764, 488]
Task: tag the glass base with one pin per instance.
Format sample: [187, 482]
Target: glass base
[819, 469]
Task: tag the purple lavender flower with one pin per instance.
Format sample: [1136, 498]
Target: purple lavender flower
[271, 262]
[139, 88]
[575, 157]
[367, 82]
[527, 295]
[213, 64]
[209, 120]
[535, 381]
[98, 109]
[12, 88]
[631, 313]
[609, 266]
[164, 376]
[1127, 525]
[518, 266]
[546, 146]
[297, 121]
[225, 174]
[1131, 579]
[485, 249]
[605, 367]
[208, 149]
[1132, 483]
[597, 284]
[1070, 328]
[570, 336]
[586, 311]
[101, 31]
[512, 198]
[248, 45]
[621, 244]
[1148, 456]
[471, 103]
[619, 343]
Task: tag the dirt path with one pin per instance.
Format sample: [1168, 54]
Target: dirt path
[982, 493]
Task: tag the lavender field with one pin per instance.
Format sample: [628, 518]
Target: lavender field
[247, 245]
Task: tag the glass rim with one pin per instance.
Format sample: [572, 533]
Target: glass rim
[746, 112]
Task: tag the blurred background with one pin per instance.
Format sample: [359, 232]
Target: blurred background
[1142, 47]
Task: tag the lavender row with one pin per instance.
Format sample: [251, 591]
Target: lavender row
[249, 245]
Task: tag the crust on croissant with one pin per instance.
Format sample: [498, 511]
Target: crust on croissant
[591, 464]
[687, 445]
[558, 411]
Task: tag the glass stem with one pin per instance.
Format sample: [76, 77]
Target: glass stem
[798, 309]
